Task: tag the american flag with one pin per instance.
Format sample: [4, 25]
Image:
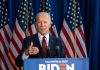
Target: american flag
[45, 6]
[72, 33]
[5, 36]
[25, 19]
[31, 27]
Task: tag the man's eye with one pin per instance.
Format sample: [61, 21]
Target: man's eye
[39, 22]
[45, 21]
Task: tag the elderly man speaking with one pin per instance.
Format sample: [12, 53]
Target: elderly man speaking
[41, 44]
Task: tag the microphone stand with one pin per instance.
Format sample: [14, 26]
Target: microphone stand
[48, 52]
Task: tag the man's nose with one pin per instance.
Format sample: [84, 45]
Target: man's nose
[42, 24]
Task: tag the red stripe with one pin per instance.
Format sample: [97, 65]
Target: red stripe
[6, 35]
[13, 57]
[18, 34]
[30, 30]
[68, 38]
[52, 31]
[79, 46]
[66, 50]
[81, 33]
[6, 51]
[4, 46]
[15, 45]
[3, 60]
[10, 51]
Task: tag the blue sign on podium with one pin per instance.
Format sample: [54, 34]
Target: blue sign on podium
[57, 64]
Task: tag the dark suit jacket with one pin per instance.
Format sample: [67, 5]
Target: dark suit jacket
[53, 51]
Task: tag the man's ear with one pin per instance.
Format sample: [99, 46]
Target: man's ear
[50, 24]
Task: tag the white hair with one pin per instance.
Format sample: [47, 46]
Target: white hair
[43, 13]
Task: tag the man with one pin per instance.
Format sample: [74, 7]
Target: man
[42, 44]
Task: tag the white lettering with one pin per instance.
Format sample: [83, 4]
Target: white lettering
[70, 67]
[42, 67]
[55, 67]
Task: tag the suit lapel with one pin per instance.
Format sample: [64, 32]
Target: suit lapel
[50, 41]
[36, 41]
[51, 44]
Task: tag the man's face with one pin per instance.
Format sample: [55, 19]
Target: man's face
[43, 24]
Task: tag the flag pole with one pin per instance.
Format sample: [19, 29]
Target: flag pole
[44, 6]
[26, 17]
[75, 54]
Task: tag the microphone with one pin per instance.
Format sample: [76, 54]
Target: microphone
[58, 51]
[48, 52]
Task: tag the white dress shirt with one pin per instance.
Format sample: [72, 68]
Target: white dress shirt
[40, 39]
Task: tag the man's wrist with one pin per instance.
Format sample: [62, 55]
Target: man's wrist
[24, 56]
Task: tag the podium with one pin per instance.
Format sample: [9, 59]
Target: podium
[56, 64]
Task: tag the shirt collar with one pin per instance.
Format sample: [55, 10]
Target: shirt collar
[41, 36]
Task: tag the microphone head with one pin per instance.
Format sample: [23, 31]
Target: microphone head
[57, 48]
[48, 48]
[58, 51]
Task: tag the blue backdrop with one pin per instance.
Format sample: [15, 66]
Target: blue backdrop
[90, 10]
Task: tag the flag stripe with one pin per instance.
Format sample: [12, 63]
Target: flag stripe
[81, 44]
[67, 33]
[15, 45]
[3, 61]
[12, 54]
[52, 32]
[30, 31]
[17, 41]
[66, 50]
[67, 44]
[8, 30]
[80, 29]
[4, 36]
[72, 39]
[68, 38]
[13, 61]
[4, 52]
[33, 29]
[55, 30]
[5, 39]
[74, 32]
[16, 30]
[2, 65]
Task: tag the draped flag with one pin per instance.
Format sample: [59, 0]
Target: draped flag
[72, 33]
[25, 19]
[5, 36]
[30, 20]
[45, 6]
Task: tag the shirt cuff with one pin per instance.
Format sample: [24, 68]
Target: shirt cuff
[24, 56]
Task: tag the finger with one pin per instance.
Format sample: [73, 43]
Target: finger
[34, 51]
[31, 44]
[31, 52]
[30, 48]
[34, 48]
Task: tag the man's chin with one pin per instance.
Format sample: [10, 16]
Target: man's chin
[43, 33]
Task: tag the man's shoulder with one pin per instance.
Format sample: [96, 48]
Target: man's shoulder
[55, 38]
[30, 37]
